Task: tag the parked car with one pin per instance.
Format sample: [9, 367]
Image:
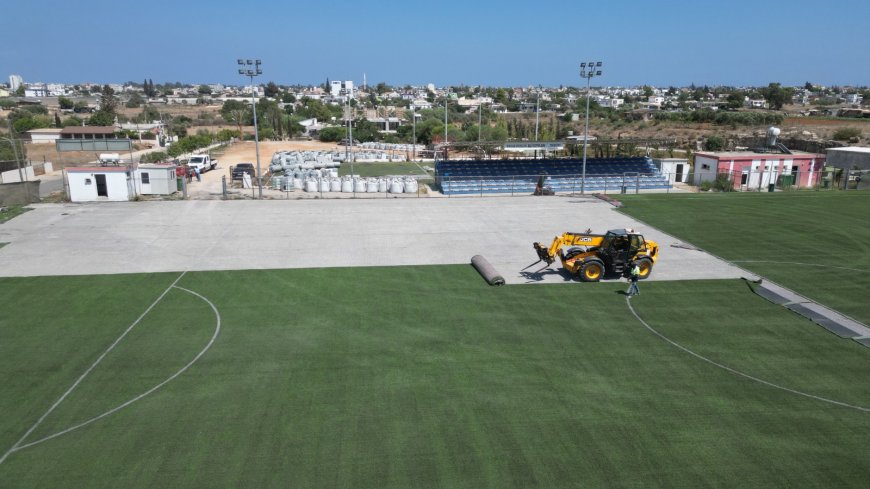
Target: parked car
[242, 168]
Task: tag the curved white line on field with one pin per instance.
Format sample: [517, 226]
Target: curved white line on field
[99, 359]
[738, 372]
[199, 355]
[799, 263]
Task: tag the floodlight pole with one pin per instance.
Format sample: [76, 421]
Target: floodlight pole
[479, 117]
[414, 137]
[446, 98]
[537, 113]
[587, 70]
[252, 71]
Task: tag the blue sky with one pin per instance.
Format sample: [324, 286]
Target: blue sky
[503, 43]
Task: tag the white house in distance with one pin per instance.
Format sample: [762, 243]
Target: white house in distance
[99, 184]
[154, 179]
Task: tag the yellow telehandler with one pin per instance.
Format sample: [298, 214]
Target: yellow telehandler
[592, 256]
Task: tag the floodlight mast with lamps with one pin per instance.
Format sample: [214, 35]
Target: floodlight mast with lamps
[587, 70]
[251, 68]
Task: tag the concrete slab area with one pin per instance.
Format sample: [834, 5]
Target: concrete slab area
[130, 237]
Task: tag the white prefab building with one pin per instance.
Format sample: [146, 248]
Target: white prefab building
[99, 184]
[676, 169]
[44, 136]
[152, 179]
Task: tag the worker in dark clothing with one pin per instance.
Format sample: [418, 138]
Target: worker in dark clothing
[633, 276]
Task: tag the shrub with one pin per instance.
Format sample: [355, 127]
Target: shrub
[714, 143]
[846, 133]
[723, 183]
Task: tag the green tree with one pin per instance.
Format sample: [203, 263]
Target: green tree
[271, 89]
[204, 90]
[65, 103]
[19, 92]
[332, 134]
[288, 98]
[149, 114]
[7, 151]
[735, 100]
[135, 101]
[179, 125]
[238, 113]
[71, 121]
[776, 96]
[101, 118]
[270, 116]
[108, 101]
[428, 130]
[294, 128]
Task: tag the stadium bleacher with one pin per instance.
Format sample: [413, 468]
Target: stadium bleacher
[561, 175]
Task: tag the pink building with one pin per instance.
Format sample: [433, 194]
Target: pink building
[755, 171]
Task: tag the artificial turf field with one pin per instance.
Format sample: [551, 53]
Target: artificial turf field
[816, 243]
[422, 377]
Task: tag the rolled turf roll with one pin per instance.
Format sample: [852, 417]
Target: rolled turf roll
[486, 270]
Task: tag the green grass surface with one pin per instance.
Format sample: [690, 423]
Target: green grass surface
[381, 169]
[816, 243]
[12, 211]
[423, 377]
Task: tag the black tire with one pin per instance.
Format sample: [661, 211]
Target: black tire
[646, 266]
[591, 271]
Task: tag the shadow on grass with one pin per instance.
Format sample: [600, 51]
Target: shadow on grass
[540, 275]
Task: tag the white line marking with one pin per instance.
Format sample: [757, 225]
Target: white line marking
[88, 371]
[737, 372]
[217, 330]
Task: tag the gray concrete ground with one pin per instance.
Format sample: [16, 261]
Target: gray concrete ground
[106, 238]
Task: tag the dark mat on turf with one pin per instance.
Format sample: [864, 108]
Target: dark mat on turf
[832, 326]
[769, 295]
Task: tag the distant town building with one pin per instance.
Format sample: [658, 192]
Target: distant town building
[36, 90]
[341, 89]
[15, 81]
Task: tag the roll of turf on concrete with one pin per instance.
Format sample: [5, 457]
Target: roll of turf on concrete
[486, 270]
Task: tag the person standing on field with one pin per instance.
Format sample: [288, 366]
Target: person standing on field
[633, 275]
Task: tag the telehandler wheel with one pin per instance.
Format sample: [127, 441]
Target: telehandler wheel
[645, 265]
[591, 271]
